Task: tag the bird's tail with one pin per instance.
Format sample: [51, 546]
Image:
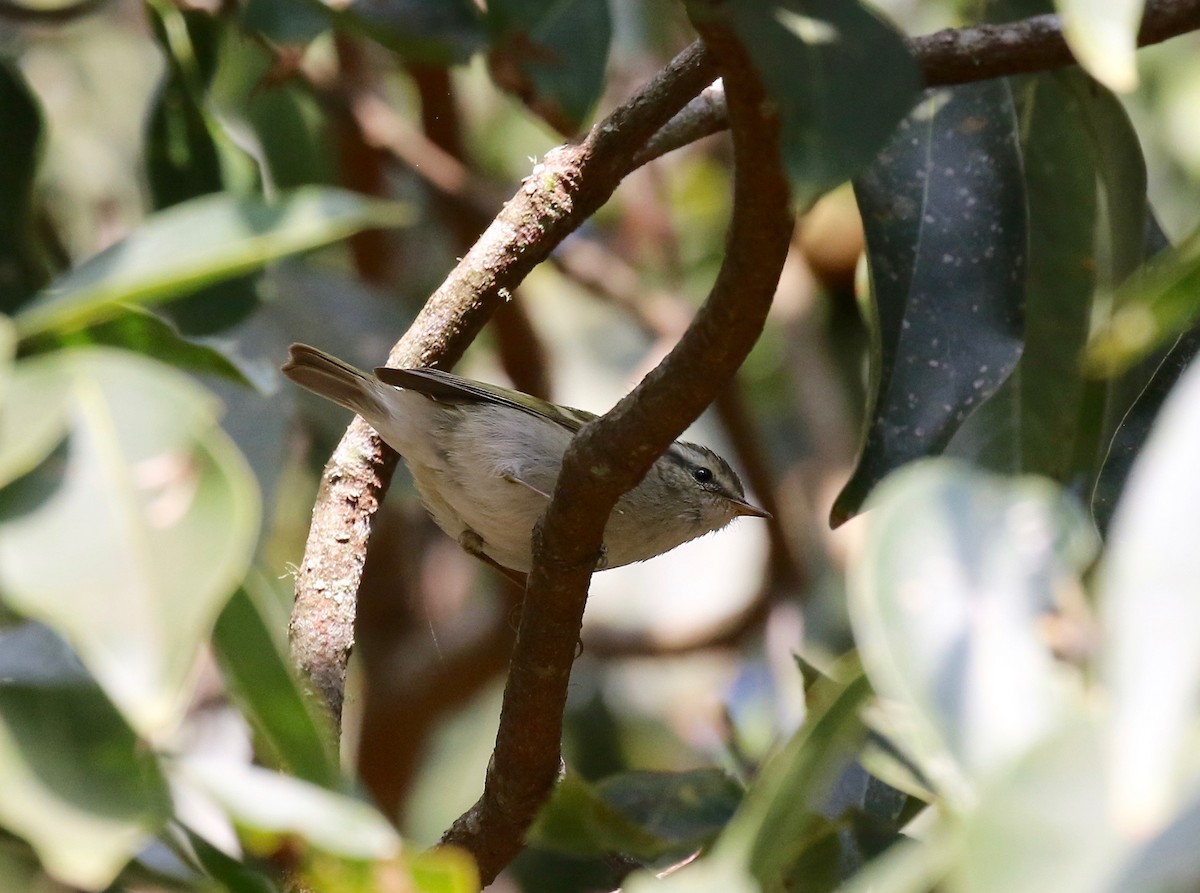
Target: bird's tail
[333, 379]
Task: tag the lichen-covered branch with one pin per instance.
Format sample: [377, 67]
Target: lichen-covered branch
[570, 184]
[610, 455]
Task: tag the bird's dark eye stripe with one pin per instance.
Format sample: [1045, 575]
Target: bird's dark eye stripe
[702, 475]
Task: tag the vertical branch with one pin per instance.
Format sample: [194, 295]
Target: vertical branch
[610, 455]
[567, 187]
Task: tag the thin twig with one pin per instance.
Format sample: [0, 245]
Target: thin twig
[952, 56]
[610, 455]
[566, 188]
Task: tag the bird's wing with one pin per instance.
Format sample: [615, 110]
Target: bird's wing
[447, 388]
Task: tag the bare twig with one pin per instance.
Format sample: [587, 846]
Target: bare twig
[610, 455]
[568, 186]
[952, 56]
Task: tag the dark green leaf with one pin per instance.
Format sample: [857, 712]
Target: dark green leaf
[686, 809]
[551, 54]
[944, 213]
[286, 21]
[435, 32]
[20, 116]
[840, 76]
[78, 784]
[260, 676]
[578, 820]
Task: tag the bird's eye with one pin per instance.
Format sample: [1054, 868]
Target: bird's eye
[702, 475]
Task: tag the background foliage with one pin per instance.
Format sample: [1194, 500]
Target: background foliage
[986, 682]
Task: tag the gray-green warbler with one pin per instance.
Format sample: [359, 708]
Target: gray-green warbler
[485, 460]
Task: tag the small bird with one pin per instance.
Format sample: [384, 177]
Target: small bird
[485, 460]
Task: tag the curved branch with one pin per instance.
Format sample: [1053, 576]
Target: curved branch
[567, 187]
[610, 455]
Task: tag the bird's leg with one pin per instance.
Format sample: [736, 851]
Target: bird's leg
[472, 543]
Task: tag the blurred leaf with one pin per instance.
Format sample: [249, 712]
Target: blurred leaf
[150, 335]
[944, 212]
[911, 866]
[433, 32]
[781, 814]
[956, 571]
[1103, 36]
[1167, 862]
[686, 809]
[286, 21]
[199, 242]
[444, 870]
[8, 350]
[578, 820]
[551, 54]
[78, 784]
[840, 76]
[261, 679]
[1150, 604]
[33, 655]
[158, 507]
[1155, 306]
[267, 802]
[20, 273]
[705, 875]
[1043, 823]
[233, 875]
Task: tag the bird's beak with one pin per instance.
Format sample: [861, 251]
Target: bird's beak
[745, 509]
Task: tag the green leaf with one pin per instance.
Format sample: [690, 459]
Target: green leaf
[1043, 823]
[1155, 307]
[78, 784]
[199, 242]
[944, 212]
[957, 568]
[1049, 418]
[1103, 36]
[260, 676]
[1150, 604]
[551, 54]
[433, 32]
[781, 814]
[642, 814]
[840, 76]
[233, 875]
[286, 21]
[578, 820]
[443, 870]
[158, 508]
[21, 274]
[259, 800]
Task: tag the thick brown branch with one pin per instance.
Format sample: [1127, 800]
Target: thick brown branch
[953, 56]
[568, 186]
[610, 456]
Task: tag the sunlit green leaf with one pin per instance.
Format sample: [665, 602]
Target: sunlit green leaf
[157, 506]
[1155, 306]
[957, 569]
[443, 870]
[1103, 36]
[263, 801]
[1150, 603]
[198, 242]
[78, 784]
